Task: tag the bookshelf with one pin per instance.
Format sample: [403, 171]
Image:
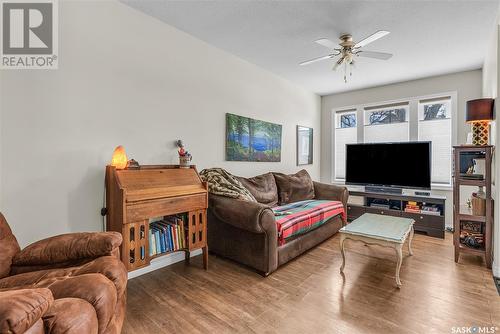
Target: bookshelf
[465, 221]
[136, 197]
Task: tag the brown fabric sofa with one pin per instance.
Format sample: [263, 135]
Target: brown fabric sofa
[246, 231]
[71, 283]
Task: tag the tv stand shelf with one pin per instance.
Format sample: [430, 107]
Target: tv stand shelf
[432, 225]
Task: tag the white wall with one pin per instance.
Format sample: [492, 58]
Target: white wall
[126, 78]
[466, 84]
[491, 77]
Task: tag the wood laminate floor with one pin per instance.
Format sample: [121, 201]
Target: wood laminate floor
[309, 295]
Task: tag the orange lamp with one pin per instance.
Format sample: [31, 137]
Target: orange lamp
[119, 159]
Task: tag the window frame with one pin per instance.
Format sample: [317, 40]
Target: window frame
[412, 117]
[336, 114]
[369, 111]
[421, 118]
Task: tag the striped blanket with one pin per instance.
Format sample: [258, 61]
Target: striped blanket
[300, 217]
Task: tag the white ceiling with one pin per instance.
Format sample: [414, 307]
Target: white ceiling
[427, 37]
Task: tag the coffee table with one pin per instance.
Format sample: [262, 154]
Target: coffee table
[386, 231]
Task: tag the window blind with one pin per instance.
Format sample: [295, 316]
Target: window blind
[380, 133]
[345, 133]
[435, 126]
[343, 136]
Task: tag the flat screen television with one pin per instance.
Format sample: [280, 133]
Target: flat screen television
[399, 165]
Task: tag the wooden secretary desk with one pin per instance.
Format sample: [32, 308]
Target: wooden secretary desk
[135, 196]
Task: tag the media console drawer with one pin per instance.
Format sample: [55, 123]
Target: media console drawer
[354, 211]
[426, 220]
[380, 211]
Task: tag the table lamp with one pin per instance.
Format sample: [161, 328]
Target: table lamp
[479, 113]
[119, 159]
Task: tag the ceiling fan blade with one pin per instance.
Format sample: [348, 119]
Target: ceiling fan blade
[327, 43]
[307, 62]
[376, 55]
[371, 38]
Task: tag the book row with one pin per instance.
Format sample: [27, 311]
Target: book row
[166, 235]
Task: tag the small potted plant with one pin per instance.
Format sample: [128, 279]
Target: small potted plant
[184, 156]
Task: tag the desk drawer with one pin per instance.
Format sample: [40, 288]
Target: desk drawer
[165, 206]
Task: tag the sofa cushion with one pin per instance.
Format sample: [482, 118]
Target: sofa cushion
[262, 187]
[295, 187]
[96, 289]
[71, 315]
[21, 309]
[8, 247]
[100, 282]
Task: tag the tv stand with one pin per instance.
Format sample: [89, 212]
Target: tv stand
[383, 190]
[395, 204]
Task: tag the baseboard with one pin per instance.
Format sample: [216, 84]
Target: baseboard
[495, 268]
[161, 262]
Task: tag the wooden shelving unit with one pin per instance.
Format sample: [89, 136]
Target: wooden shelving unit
[135, 196]
[462, 213]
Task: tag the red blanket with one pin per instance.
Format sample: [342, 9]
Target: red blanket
[300, 217]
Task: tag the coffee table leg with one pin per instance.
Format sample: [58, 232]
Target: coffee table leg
[399, 254]
[342, 251]
[410, 239]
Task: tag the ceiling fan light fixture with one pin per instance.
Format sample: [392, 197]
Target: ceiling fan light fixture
[349, 49]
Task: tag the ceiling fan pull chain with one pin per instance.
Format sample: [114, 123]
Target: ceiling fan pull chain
[345, 72]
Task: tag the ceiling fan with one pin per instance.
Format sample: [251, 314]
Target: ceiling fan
[349, 50]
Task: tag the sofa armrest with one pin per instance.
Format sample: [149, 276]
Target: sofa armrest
[66, 248]
[21, 309]
[250, 216]
[331, 192]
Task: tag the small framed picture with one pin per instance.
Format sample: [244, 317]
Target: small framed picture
[304, 145]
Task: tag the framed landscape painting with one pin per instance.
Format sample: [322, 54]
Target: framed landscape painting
[249, 139]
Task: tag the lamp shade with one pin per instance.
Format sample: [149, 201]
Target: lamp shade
[479, 110]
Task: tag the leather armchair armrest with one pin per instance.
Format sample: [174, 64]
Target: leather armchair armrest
[250, 216]
[66, 248]
[21, 309]
[331, 192]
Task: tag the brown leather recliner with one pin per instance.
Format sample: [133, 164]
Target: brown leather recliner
[71, 283]
[246, 231]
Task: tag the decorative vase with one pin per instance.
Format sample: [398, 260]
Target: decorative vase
[184, 162]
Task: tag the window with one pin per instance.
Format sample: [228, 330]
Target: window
[434, 125]
[387, 116]
[386, 124]
[345, 133]
[419, 118]
[347, 121]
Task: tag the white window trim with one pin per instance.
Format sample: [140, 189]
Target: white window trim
[412, 119]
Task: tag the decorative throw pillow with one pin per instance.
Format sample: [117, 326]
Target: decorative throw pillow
[262, 187]
[295, 187]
